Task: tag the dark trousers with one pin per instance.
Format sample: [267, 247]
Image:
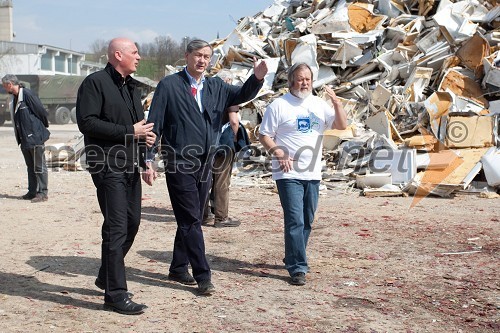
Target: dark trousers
[119, 195]
[221, 179]
[188, 191]
[38, 177]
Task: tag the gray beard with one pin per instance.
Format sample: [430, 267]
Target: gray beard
[301, 94]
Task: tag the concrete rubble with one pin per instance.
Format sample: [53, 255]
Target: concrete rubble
[419, 79]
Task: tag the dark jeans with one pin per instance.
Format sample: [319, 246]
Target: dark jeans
[38, 177]
[119, 196]
[188, 191]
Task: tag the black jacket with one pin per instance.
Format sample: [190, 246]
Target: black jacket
[189, 136]
[30, 119]
[107, 120]
[227, 140]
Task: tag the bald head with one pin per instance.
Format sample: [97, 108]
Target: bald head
[123, 55]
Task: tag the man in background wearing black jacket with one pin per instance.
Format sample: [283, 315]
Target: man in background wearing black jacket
[29, 119]
[111, 118]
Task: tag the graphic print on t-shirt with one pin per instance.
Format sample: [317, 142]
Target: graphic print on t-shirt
[306, 124]
[303, 124]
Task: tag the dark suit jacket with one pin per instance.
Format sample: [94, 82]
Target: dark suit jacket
[188, 135]
[107, 121]
[30, 119]
[227, 140]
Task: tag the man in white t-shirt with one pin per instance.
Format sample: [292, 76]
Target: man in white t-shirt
[291, 130]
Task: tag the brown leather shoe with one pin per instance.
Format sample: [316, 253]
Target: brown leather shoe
[208, 219]
[40, 198]
[226, 223]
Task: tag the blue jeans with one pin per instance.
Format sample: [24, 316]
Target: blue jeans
[299, 199]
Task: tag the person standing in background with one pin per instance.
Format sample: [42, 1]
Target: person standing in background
[29, 118]
[221, 173]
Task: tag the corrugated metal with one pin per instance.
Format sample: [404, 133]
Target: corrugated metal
[18, 48]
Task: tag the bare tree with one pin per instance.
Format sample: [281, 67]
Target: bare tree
[163, 50]
[99, 50]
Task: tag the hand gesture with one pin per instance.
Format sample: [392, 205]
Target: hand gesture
[284, 160]
[149, 175]
[141, 129]
[150, 139]
[259, 68]
[329, 91]
[145, 131]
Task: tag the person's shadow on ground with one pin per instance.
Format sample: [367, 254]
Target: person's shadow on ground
[71, 266]
[8, 196]
[155, 214]
[28, 286]
[224, 264]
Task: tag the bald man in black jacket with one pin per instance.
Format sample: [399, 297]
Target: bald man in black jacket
[110, 116]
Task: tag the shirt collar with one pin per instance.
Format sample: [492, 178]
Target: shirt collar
[192, 80]
[118, 78]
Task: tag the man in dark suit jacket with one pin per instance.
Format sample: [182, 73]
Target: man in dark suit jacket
[187, 112]
[29, 118]
[110, 116]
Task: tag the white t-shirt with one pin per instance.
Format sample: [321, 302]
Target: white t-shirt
[297, 126]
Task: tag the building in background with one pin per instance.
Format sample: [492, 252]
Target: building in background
[54, 74]
[7, 34]
[25, 58]
[6, 26]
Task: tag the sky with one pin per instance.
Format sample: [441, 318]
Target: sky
[75, 25]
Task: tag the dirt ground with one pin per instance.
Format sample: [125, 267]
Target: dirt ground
[376, 265]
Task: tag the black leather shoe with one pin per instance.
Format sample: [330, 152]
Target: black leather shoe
[28, 196]
[125, 306]
[100, 284]
[184, 278]
[206, 288]
[298, 279]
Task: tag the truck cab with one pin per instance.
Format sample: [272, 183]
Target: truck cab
[57, 94]
[4, 106]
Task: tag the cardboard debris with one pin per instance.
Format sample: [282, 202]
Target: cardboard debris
[419, 81]
[472, 53]
[469, 132]
[463, 86]
[458, 173]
